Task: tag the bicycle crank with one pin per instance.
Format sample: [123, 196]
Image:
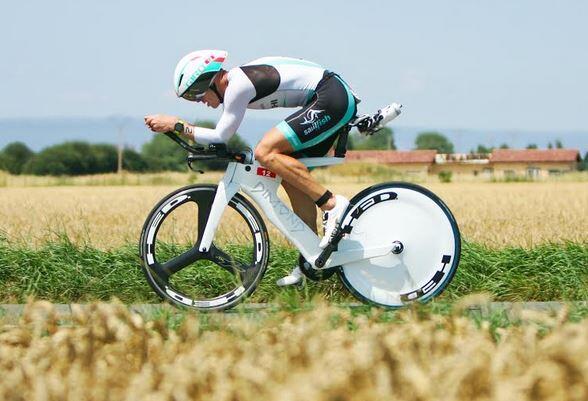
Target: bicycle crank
[315, 274]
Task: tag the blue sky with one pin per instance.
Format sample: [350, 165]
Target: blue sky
[510, 65]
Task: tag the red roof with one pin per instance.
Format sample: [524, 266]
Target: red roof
[534, 155]
[392, 156]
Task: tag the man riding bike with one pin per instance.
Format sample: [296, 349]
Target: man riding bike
[327, 105]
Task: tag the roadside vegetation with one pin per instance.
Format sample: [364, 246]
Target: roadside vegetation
[325, 353]
[63, 272]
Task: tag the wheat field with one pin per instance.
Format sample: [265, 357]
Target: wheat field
[493, 214]
[108, 353]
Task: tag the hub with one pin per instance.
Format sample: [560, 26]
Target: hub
[397, 247]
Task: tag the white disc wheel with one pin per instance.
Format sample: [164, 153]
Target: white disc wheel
[425, 242]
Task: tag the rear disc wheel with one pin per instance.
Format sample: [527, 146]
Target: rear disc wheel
[424, 240]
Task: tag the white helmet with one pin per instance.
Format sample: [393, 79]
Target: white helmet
[195, 71]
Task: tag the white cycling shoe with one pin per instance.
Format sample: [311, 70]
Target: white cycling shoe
[291, 279]
[332, 217]
[330, 220]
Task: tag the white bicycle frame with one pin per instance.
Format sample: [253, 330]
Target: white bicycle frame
[261, 185]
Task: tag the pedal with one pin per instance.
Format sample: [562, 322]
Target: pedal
[369, 124]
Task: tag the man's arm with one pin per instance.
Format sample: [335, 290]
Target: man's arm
[237, 96]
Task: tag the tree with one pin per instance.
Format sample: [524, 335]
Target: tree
[14, 156]
[381, 140]
[433, 140]
[69, 158]
[558, 144]
[549, 146]
[531, 146]
[483, 149]
[133, 161]
[504, 146]
[74, 158]
[106, 158]
[162, 154]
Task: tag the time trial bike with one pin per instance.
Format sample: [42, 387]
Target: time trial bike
[396, 243]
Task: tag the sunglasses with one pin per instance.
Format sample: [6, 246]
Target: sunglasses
[194, 95]
[198, 89]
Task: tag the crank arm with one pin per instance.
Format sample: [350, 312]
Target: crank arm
[344, 256]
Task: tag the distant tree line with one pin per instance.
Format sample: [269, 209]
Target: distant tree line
[81, 158]
[384, 140]
[162, 154]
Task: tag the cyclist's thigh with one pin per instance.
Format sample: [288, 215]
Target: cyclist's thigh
[274, 141]
[332, 106]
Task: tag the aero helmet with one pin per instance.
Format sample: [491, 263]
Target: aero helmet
[195, 72]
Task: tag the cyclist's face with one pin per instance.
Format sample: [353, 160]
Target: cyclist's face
[210, 99]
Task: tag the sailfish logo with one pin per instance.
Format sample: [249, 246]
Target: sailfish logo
[310, 116]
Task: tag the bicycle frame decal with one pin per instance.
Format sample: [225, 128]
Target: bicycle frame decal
[264, 172]
[364, 205]
[295, 224]
[436, 279]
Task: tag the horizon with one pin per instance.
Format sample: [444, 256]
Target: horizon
[105, 130]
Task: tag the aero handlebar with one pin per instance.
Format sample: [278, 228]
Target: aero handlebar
[214, 151]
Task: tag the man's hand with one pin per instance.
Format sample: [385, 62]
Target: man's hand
[160, 122]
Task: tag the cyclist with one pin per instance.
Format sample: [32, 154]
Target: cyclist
[326, 105]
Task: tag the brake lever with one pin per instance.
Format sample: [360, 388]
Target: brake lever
[189, 160]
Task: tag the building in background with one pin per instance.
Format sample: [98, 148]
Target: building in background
[463, 164]
[412, 162]
[533, 163]
[500, 164]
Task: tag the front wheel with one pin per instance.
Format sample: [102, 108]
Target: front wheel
[218, 278]
[424, 238]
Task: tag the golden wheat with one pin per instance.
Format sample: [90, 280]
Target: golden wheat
[495, 214]
[107, 353]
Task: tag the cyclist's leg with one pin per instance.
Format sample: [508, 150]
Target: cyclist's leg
[273, 152]
[302, 204]
[329, 110]
[304, 207]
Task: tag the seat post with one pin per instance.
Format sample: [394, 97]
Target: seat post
[341, 147]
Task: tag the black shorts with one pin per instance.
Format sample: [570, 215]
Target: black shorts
[312, 130]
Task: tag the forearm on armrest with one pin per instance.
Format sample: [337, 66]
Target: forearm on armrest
[204, 136]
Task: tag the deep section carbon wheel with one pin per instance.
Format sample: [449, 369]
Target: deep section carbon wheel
[216, 279]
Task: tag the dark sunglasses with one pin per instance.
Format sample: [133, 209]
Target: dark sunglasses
[198, 89]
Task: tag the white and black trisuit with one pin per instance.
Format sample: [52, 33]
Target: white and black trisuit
[327, 102]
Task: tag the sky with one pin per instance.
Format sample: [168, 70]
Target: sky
[483, 65]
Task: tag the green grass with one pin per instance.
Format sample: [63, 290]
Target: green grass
[66, 273]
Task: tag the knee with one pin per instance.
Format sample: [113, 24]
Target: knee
[263, 154]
